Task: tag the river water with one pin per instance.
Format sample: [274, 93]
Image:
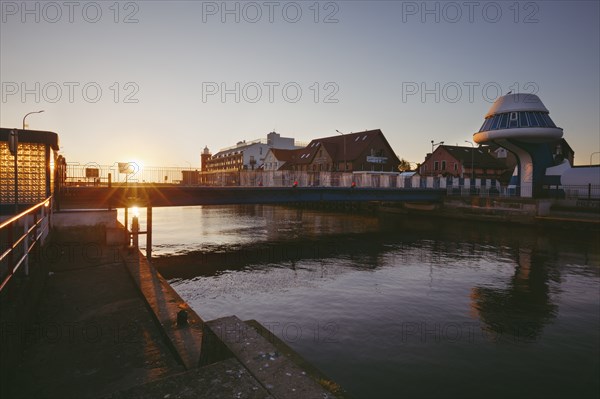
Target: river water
[391, 306]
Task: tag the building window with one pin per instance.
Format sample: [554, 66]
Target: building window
[436, 165]
[495, 122]
[514, 121]
[503, 121]
[443, 165]
[532, 119]
[523, 119]
[455, 167]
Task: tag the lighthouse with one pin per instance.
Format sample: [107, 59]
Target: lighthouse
[522, 124]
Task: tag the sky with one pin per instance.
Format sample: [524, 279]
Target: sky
[155, 82]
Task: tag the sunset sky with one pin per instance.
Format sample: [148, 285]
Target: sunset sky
[156, 81]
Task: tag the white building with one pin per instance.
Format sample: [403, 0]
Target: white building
[248, 155]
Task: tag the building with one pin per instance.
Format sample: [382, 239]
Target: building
[204, 158]
[247, 155]
[521, 124]
[364, 151]
[277, 158]
[457, 161]
[36, 157]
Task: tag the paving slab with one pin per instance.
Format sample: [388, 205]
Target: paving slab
[225, 379]
[277, 373]
[93, 333]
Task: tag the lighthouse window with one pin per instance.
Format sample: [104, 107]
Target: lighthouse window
[514, 121]
[495, 122]
[548, 121]
[523, 119]
[532, 119]
[503, 121]
[486, 124]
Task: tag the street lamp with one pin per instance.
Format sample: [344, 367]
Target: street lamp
[345, 160]
[472, 168]
[592, 154]
[14, 147]
[26, 115]
[434, 144]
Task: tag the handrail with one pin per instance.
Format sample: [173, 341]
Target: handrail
[25, 212]
[24, 239]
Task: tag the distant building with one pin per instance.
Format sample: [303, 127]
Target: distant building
[277, 158]
[364, 151]
[204, 158]
[247, 155]
[459, 161]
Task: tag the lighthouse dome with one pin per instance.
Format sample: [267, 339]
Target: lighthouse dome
[515, 103]
[522, 117]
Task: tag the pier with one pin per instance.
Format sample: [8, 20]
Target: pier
[91, 317]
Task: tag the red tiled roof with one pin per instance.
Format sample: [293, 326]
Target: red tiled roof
[479, 156]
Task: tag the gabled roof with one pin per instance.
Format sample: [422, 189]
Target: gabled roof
[281, 154]
[479, 156]
[349, 146]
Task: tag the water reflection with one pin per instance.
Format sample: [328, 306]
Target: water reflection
[379, 279]
[522, 308]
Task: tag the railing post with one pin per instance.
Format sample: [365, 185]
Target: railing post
[26, 242]
[126, 219]
[135, 232]
[11, 242]
[149, 232]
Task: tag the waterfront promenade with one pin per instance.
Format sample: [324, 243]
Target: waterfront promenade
[106, 326]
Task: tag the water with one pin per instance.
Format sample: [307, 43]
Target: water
[399, 307]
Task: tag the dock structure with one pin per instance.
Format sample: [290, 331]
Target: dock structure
[107, 324]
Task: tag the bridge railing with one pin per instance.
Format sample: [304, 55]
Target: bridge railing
[19, 236]
[576, 192]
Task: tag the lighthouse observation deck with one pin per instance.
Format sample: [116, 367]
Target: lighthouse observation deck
[518, 117]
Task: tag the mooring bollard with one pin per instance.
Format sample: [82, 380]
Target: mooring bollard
[182, 318]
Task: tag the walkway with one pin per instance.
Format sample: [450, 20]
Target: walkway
[106, 327]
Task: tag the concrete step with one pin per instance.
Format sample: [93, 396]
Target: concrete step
[276, 371]
[224, 379]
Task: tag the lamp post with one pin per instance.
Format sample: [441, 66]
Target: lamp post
[26, 115]
[14, 141]
[472, 168]
[434, 144]
[592, 154]
[345, 160]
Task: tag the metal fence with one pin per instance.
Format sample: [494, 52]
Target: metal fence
[92, 174]
[19, 236]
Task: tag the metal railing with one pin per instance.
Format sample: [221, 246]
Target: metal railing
[583, 191]
[19, 236]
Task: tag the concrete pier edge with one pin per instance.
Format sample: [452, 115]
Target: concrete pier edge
[200, 344]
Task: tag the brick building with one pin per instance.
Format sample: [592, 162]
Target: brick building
[448, 160]
[363, 151]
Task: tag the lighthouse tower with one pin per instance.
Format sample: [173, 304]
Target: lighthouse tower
[521, 124]
[204, 157]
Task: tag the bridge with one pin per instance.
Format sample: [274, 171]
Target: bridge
[169, 195]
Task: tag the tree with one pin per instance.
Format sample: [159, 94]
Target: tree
[404, 165]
